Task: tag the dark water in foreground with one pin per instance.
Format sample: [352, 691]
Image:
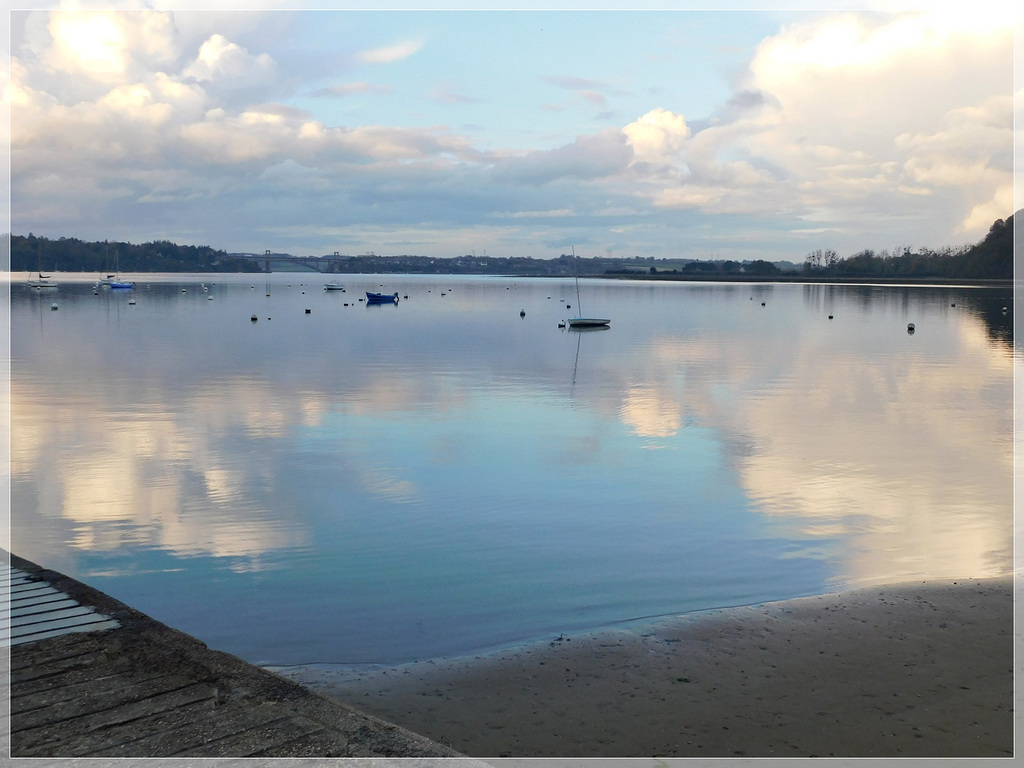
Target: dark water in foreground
[386, 483]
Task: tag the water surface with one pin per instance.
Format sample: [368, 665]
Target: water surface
[387, 483]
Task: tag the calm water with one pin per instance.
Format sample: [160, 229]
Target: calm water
[386, 483]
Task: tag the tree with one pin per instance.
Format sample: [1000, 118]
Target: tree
[761, 267]
[814, 261]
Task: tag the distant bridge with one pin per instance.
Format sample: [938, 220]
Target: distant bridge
[313, 263]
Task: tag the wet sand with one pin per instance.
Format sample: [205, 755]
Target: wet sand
[921, 669]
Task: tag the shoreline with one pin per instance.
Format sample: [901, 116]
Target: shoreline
[666, 277]
[923, 669]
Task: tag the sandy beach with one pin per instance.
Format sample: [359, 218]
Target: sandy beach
[915, 670]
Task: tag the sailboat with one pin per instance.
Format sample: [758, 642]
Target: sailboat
[117, 282]
[108, 277]
[584, 322]
[41, 280]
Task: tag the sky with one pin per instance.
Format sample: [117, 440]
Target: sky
[752, 133]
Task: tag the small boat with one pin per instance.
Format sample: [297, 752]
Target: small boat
[114, 280]
[381, 298]
[334, 286]
[584, 322]
[588, 322]
[42, 281]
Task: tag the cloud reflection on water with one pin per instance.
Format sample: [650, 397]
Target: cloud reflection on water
[903, 456]
[908, 460]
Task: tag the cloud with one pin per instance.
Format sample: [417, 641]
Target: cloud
[109, 46]
[572, 83]
[349, 89]
[391, 53]
[864, 114]
[589, 157]
[221, 60]
[657, 134]
[445, 94]
[842, 123]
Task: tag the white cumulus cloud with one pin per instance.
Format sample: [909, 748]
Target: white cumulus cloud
[220, 59]
[657, 133]
[866, 114]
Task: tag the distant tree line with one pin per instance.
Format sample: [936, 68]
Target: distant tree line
[758, 267]
[69, 254]
[992, 258]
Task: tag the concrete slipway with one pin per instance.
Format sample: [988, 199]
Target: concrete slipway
[91, 677]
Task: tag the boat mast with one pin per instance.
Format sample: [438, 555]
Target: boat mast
[579, 307]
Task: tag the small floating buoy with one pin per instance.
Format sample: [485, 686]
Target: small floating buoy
[183, 290]
[254, 318]
[209, 298]
[568, 306]
[910, 328]
[830, 317]
[308, 311]
[1005, 310]
[762, 303]
[561, 325]
[953, 304]
[522, 313]
[53, 306]
[406, 296]
[131, 302]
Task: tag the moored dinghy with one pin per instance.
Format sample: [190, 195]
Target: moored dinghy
[588, 322]
[381, 298]
[584, 322]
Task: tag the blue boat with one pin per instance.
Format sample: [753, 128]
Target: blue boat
[120, 285]
[381, 298]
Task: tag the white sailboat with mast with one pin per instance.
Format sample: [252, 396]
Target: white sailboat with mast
[107, 277]
[580, 321]
[41, 280]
